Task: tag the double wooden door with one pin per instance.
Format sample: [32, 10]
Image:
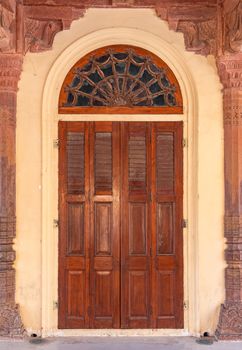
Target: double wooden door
[120, 214]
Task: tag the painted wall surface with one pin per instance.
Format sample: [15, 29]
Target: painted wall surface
[205, 147]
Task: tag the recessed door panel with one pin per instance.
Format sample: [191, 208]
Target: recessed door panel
[76, 295]
[137, 228]
[75, 230]
[138, 302]
[165, 228]
[103, 229]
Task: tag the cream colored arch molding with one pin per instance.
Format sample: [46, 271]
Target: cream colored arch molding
[50, 117]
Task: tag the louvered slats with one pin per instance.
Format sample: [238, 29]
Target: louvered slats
[137, 163]
[103, 162]
[75, 163]
[165, 162]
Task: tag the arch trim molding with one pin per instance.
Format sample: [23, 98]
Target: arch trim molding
[50, 117]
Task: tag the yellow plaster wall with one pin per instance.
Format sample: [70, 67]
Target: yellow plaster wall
[207, 229]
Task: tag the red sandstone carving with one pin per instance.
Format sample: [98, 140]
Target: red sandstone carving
[199, 26]
[198, 22]
[230, 322]
[39, 35]
[7, 17]
[233, 25]
[43, 23]
[199, 37]
[10, 69]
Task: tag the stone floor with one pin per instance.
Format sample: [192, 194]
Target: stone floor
[116, 343]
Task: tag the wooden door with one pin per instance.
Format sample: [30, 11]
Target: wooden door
[89, 240]
[120, 177]
[151, 225]
[136, 225]
[104, 225]
[166, 225]
[74, 208]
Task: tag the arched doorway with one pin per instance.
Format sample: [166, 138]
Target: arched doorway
[120, 195]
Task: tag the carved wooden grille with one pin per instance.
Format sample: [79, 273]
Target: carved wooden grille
[120, 76]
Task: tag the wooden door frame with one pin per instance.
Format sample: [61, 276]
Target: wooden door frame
[184, 280]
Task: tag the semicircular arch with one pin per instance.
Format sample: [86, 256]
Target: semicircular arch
[81, 47]
[123, 79]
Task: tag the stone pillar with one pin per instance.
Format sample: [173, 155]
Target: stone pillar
[10, 69]
[230, 321]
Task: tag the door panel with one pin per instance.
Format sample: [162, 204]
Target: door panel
[120, 211]
[135, 226]
[165, 228]
[75, 231]
[76, 295]
[167, 242]
[104, 229]
[73, 237]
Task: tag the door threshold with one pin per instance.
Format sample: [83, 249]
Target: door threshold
[115, 332]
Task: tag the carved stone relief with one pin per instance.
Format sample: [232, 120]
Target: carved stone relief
[199, 27]
[10, 69]
[10, 321]
[39, 35]
[199, 37]
[41, 24]
[230, 321]
[7, 23]
[233, 26]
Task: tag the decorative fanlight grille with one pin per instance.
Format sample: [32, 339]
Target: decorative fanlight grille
[120, 76]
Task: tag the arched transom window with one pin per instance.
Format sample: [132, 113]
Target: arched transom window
[120, 79]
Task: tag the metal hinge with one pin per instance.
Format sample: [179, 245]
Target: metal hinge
[56, 143]
[56, 223]
[184, 223]
[184, 143]
[55, 305]
[186, 305]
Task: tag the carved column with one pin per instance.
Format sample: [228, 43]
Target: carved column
[10, 69]
[230, 70]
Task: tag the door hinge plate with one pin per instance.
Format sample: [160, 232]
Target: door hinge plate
[186, 305]
[56, 143]
[184, 142]
[55, 223]
[184, 223]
